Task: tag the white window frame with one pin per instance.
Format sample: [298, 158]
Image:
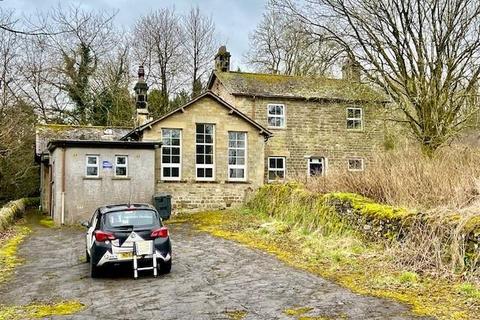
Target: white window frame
[171, 165]
[324, 165]
[88, 165]
[355, 119]
[202, 165]
[276, 169]
[283, 116]
[356, 159]
[121, 166]
[237, 166]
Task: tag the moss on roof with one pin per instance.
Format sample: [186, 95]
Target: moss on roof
[48, 132]
[274, 85]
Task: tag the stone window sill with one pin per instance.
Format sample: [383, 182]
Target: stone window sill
[172, 181]
[121, 178]
[92, 178]
[206, 181]
[356, 130]
[238, 182]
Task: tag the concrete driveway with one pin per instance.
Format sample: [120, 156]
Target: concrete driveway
[211, 278]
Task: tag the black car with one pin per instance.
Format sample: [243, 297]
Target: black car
[113, 229]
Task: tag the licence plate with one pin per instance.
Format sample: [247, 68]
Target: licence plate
[125, 255]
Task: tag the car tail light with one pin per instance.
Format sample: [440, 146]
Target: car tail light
[102, 236]
[160, 233]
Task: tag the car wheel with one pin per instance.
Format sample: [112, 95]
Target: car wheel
[164, 267]
[87, 256]
[94, 270]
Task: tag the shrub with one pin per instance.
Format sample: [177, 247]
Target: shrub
[436, 242]
[410, 179]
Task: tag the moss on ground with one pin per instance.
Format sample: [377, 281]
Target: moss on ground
[363, 268]
[47, 222]
[297, 311]
[236, 314]
[39, 310]
[8, 251]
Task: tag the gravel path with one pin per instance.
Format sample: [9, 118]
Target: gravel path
[210, 277]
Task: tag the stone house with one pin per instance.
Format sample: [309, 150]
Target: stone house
[211, 154]
[247, 129]
[318, 124]
[287, 127]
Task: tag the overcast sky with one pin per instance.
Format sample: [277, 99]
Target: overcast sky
[234, 19]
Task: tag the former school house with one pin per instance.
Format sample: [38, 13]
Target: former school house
[247, 129]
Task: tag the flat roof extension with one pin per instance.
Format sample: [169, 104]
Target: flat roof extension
[52, 145]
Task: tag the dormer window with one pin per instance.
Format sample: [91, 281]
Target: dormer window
[276, 115]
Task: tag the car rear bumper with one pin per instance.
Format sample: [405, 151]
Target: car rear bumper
[109, 258]
[104, 253]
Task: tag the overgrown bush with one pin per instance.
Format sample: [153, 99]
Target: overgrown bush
[408, 178]
[294, 205]
[437, 242]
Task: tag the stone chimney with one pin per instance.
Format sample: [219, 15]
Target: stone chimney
[351, 70]
[222, 59]
[141, 99]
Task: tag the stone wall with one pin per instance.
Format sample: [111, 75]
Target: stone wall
[370, 220]
[14, 210]
[193, 196]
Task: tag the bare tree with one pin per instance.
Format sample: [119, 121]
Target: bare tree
[158, 39]
[265, 43]
[199, 46]
[284, 45]
[17, 169]
[424, 54]
[78, 40]
[12, 25]
[111, 87]
[39, 76]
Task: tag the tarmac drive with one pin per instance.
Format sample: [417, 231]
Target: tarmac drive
[210, 277]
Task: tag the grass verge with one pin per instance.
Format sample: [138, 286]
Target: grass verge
[365, 268]
[8, 250]
[39, 310]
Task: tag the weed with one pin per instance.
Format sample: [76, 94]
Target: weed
[8, 251]
[408, 277]
[47, 222]
[469, 290]
[236, 314]
[39, 310]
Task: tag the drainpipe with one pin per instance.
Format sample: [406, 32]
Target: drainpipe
[63, 186]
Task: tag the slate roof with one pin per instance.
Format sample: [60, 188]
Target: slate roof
[295, 87]
[50, 132]
[137, 131]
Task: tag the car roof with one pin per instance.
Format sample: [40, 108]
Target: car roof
[125, 206]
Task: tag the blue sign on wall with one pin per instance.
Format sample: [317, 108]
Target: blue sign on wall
[107, 164]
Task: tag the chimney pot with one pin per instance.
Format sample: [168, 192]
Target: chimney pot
[141, 72]
[222, 59]
[141, 98]
[351, 70]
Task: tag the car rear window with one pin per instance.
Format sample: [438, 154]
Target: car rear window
[131, 218]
